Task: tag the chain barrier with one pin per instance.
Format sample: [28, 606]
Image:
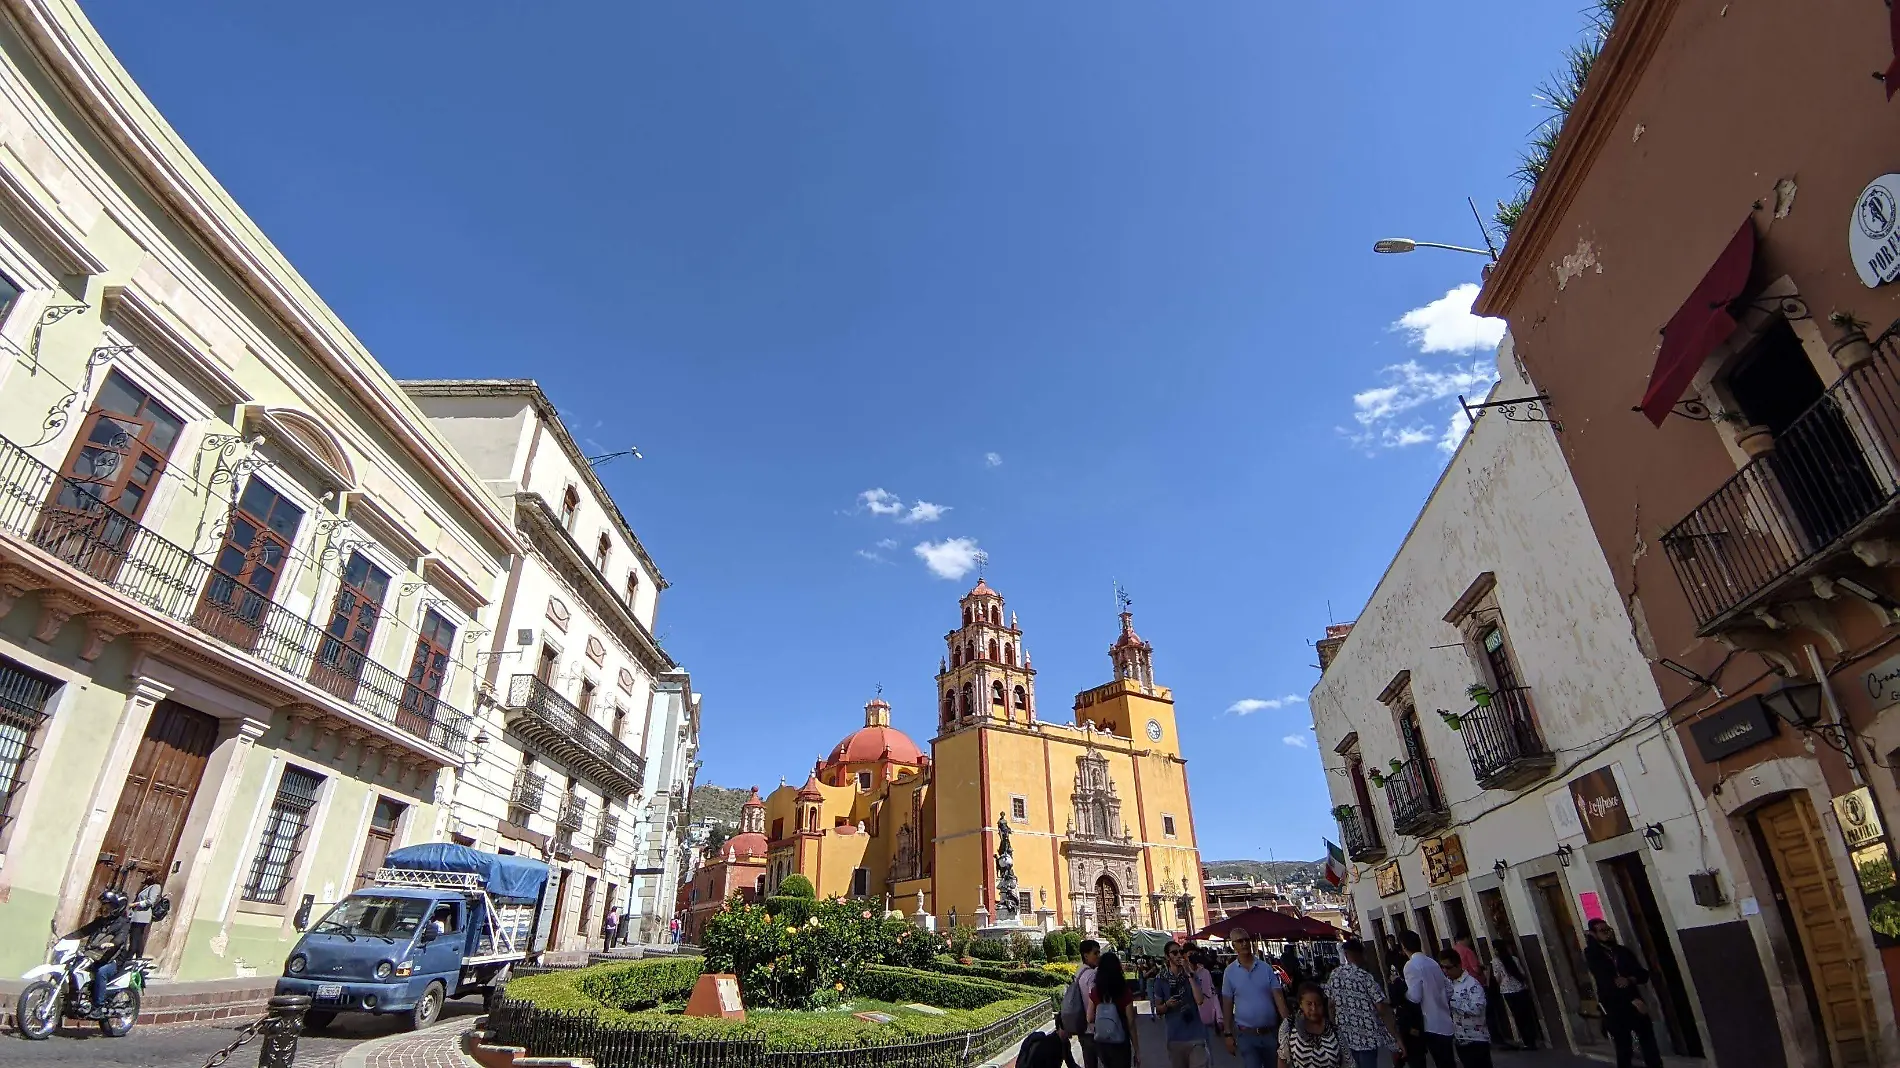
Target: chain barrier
[279, 1027]
[249, 1032]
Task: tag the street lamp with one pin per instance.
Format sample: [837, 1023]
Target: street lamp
[1797, 703]
[1395, 245]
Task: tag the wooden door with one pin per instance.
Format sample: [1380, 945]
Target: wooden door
[560, 910]
[382, 834]
[108, 478]
[155, 800]
[251, 559]
[1561, 934]
[1810, 892]
[353, 616]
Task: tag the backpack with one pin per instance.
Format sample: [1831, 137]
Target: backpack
[1075, 1008]
[161, 909]
[1042, 1050]
[1108, 1024]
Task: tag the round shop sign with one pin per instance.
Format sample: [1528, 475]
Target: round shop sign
[1873, 238]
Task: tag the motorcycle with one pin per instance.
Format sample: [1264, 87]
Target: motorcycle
[62, 989]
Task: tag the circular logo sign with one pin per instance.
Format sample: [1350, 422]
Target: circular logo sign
[1154, 730]
[1875, 212]
[1873, 238]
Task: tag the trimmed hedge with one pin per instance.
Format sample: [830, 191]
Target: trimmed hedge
[793, 910]
[968, 1003]
[990, 949]
[641, 984]
[796, 885]
[1036, 977]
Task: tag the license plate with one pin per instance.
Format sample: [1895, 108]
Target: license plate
[329, 991]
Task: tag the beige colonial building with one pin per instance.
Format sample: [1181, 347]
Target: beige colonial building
[244, 584]
[577, 694]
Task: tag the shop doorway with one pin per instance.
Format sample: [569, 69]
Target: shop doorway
[157, 796]
[1458, 920]
[1562, 935]
[1427, 929]
[1648, 935]
[560, 911]
[1379, 952]
[1497, 917]
[1807, 893]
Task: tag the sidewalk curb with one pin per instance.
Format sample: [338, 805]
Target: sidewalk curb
[357, 1056]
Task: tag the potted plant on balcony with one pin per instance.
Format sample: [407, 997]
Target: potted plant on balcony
[1342, 813]
[1852, 348]
[1457, 722]
[1480, 695]
[1377, 777]
[1755, 440]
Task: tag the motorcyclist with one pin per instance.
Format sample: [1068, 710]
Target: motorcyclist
[107, 941]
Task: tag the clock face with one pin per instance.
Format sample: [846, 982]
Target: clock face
[1154, 730]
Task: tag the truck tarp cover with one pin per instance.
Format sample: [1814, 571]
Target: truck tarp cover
[512, 878]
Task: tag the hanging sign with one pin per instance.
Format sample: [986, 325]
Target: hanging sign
[1389, 878]
[1873, 237]
[1860, 824]
[1600, 806]
[1444, 858]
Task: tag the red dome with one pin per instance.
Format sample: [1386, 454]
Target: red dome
[868, 744]
[750, 844]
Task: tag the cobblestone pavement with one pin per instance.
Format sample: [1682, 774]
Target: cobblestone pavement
[438, 1047]
[189, 1045]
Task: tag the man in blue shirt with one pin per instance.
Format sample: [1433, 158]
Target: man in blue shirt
[1254, 1003]
[1177, 1001]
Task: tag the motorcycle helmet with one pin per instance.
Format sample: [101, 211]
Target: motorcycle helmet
[112, 900]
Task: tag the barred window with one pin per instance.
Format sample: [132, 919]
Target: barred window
[283, 836]
[23, 697]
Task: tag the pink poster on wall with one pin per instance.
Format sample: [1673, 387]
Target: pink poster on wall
[1592, 905]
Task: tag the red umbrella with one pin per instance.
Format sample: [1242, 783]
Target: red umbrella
[1321, 929]
[1262, 924]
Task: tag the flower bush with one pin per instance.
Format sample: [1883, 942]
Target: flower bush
[796, 885]
[785, 965]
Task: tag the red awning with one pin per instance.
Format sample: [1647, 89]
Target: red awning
[1264, 924]
[1702, 323]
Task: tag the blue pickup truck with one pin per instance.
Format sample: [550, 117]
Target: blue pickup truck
[438, 921]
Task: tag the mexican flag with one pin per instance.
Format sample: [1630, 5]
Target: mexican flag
[1335, 871]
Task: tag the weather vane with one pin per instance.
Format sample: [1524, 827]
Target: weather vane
[1122, 600]
[982, 564]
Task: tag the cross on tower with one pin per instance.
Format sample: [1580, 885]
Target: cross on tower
[982, 564]
[1122, 600]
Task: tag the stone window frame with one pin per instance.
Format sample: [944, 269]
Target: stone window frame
[1778, 298]
[1018, 808]
[1167, 825]
[1475, 612]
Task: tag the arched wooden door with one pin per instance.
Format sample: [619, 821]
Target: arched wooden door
[1108, 901]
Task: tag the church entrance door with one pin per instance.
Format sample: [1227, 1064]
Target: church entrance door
[1108, 901]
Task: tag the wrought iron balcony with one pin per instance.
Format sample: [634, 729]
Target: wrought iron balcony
[1360, 832]
[1506, 748]
[524, 801]
[573, 813]
[607, 835]
[1831, 479]
[538, 714]
[1418, 805]
[69, 519]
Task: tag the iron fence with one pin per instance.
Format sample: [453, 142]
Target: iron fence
[1412, 791]
[579, 1033]
[1503, 736]
[1830, 472]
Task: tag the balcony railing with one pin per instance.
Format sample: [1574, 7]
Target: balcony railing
[1831, 475]
[1360, 832]
[524, 801]
[68, 518]
[573, 813]
[538, 713]
[607, 835]
[1506, 748]
[1418, 805]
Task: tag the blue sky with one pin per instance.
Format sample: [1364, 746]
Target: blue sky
[1084, 285]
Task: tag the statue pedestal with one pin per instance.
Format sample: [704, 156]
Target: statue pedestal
[1046, 918]
[924, 920]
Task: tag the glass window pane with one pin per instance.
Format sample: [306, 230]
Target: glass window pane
[258, 497]
[165, 428]
[118, 395]
[284, 517]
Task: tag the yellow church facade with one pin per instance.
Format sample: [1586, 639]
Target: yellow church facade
[1098, 807]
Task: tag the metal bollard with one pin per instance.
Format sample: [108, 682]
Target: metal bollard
[281, 1029]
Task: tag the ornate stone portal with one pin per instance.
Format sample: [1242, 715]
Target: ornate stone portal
[1101, 852]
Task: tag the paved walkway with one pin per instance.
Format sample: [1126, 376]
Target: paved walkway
[437, 1047]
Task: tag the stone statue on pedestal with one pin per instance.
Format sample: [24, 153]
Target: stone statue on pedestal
[1007, 903]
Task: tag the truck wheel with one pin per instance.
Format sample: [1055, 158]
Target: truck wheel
[428, 1007]
[318, 1019]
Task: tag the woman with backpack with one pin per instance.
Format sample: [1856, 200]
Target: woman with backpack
[1112, 1015]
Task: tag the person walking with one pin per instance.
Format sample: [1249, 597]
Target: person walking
[140, 913]
[1112, 1015]
[1253, 1001]
[1469, 1032]
[1200, 962]
[1514, 987]
[1074, 1020]
[1360, 1011]
[1427, 987]
[610, 926]
[1175, 993]
[1309, 1038]
[1619, 975]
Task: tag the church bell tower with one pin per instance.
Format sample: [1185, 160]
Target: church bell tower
[986, 675]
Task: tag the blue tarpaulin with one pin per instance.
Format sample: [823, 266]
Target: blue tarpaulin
[512, 878]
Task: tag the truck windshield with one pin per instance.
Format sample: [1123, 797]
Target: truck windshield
[388, 918]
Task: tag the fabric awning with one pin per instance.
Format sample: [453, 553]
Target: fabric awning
[1702, 323]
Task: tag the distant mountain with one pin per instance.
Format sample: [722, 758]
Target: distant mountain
[1266, 871]
[718, 803]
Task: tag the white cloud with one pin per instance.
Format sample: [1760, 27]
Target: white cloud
[880, 502]
[951, 558]
[1389, 417]
[1294, 740]
[873, 557]
[992, 459]
[924, 512]
[887, 543]
[1447, 325]
[1247, 706]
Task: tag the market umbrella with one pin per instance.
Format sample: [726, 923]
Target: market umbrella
[1262, 924]
[1321, 929]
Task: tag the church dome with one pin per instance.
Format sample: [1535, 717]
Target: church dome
[741, 846]
[868, 744]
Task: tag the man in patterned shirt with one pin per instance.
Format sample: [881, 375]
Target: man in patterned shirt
[1365, 1021]
[1468, 1030]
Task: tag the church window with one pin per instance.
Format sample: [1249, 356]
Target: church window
[996, 615]
[1022, 699]
[969, 699]
[993, 656]
[778, 828]
[966, 615]
[949, 707]
[1019, 808]
[1026, 901]
[969, 652]
[840, 821]
[996, 693]
[860, 882]
[956, 657]
[1167, 825]
[864, 780]
[1009, 653]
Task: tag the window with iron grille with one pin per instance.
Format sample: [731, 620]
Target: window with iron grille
[277, 851]
[23, 697]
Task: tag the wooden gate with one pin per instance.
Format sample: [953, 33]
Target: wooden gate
[155, 800]
[1811, 896]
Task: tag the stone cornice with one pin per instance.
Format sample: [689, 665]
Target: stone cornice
[100, 88]
[1639, 30]
[551, 542]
